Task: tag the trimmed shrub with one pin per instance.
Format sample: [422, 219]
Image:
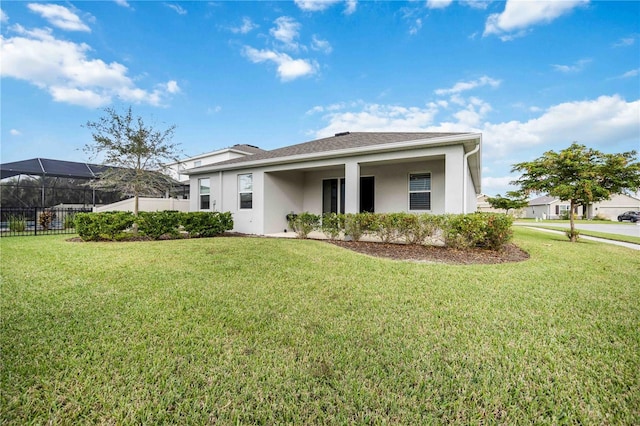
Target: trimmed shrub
[497, 230]
[486, 230]
[409, 228]
[430, 225]
[157, 224]
[304, 223]
[388, 226]
[206, 224]
[332, 225]
[107, 225]
[358, 224]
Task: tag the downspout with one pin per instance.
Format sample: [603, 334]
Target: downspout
[464, 175]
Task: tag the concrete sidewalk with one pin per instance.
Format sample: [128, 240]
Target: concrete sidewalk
[586, 237]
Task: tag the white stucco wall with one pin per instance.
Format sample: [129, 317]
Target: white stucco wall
[283, 194]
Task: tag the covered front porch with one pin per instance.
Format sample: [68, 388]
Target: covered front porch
[412, 182]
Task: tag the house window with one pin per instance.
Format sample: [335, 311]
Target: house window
[420, 191]
[562, 209]
[204, 193]
[245, 190]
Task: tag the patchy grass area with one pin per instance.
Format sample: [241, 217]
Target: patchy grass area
[255, 330]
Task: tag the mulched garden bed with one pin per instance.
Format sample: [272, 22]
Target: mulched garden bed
[435, 254]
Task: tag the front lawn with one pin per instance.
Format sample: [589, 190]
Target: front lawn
[256, 330]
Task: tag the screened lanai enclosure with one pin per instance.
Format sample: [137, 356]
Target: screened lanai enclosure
[41, 182]
[42, 195]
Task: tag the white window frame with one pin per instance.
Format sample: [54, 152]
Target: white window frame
[242, 190]
[428, 191]
[201, 193]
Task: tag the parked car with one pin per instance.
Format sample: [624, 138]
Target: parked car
[631, 215]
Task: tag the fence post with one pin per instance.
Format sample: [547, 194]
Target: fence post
[35, 221]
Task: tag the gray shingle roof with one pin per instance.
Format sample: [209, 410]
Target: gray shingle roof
[545, 199]
[249, 149]
[340, 141]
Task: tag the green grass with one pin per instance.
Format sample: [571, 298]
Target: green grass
[254, 330]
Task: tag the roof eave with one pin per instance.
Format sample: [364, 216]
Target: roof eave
[373, 149]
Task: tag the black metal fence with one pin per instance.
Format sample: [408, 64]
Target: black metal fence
[38, 220]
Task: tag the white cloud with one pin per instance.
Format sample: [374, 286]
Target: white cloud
[630, 74]
[576, 67]
[497, 185]
[320, 5]
[15, 132]
[351, 7]
[438, 4]
[518, 16]
[601, 122]
[463, 86]
[177, 8]
[4, 18]
[64, 69]
[288, 68]
[59, 16]
[477, 4]
[214, 110]
[172, 87]
[246, 27]
[286, 31]
[415, 27]
[626, 41]
[320, 45]
[123, 3]
[375, 118]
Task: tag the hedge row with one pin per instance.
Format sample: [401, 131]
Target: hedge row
[486, 230]
[111, 225]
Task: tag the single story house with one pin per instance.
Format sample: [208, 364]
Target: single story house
[345, 173]
[547, 207]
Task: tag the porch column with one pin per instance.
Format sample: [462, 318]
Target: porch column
[454, 176]
[352, 187]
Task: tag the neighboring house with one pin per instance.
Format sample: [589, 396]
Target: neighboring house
[546, 207]
[610, 209]
[176, 169]
[346, 173]
[484, 206]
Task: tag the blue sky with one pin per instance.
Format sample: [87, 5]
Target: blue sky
[531, 76]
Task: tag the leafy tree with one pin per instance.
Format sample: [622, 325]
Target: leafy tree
[513, 201]
[137, 154]
[579, 175]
